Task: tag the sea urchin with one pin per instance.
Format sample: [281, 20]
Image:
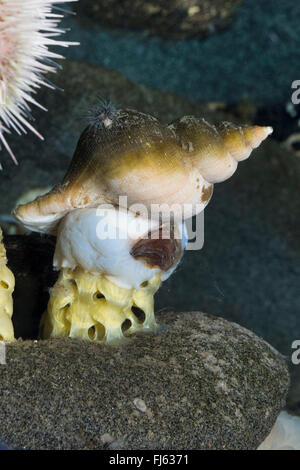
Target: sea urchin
[27, 29]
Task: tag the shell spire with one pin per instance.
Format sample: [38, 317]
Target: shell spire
[216, 150]
[241, 140]
[123, 152]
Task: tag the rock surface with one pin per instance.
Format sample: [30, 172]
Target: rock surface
[178, 19]
[200, 383]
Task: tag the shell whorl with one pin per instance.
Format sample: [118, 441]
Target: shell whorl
[128, 153]
[241, 140]
[216, 150]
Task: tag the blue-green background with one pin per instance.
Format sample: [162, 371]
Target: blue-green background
[258, 56]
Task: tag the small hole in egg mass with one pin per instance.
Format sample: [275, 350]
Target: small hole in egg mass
[100, 329]
[66, 307]
[140, 315]
[144, 284]
[98, 296]
[4, 285]
[126, 325]
[91, 332]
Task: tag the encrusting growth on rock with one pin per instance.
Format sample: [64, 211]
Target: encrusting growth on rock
[7, 284]
[86, 306]
[106, 285]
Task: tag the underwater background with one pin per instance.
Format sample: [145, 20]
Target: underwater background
[257, 56]
[248, 270]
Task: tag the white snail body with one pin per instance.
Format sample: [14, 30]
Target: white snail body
[117, 244]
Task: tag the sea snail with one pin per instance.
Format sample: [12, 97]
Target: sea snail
[129, 153]
[106, 284]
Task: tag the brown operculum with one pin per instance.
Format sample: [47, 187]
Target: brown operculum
[160, 249]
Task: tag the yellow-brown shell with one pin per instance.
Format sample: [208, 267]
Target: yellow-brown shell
[134, 155]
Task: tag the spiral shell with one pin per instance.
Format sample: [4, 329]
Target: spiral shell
[132, 154]
[216, 150]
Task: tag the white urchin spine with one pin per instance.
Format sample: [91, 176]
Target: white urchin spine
[27, 29]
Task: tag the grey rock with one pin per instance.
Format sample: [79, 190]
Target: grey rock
[199, 383]
[178, 19]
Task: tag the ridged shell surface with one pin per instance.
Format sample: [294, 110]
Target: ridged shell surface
[134, 155]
